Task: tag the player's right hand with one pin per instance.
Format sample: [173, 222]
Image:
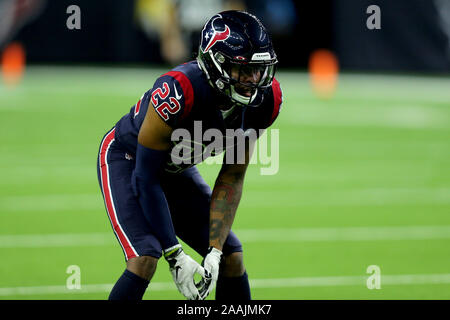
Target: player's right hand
[183, 269]
[210, 264]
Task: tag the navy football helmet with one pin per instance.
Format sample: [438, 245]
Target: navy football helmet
[237, 56]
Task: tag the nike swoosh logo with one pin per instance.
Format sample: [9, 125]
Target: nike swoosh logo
[178, 96]
[176, 271]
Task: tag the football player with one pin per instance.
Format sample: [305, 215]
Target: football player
[151, 200]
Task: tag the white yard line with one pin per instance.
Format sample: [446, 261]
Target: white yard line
[413, 279]
[406, 116]
[294, 198]
[57, 240]
[246, 236]
[345, 234]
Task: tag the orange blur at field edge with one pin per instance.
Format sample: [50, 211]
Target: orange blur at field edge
[323, 71]
[13, 64]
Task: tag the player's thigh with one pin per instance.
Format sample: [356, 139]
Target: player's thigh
[124, 212]
[189, 198]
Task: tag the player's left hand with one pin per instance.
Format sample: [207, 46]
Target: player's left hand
[210, 264]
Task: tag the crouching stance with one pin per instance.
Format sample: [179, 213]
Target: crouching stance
[154, 194]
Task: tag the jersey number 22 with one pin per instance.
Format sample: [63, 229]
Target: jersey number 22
[173, 106]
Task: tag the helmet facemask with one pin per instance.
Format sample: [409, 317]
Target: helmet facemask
[243, 82]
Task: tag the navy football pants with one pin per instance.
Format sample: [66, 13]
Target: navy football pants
[187, 194]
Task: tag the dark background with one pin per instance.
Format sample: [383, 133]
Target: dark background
[411, 37]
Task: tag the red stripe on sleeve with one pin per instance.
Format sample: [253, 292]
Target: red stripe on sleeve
[277, 100]
[138, 106]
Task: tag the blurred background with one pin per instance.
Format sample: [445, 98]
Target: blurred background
[414, 35]
[364, 146]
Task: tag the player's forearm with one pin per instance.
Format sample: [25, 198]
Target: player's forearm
[156, 211]
[224, 203]
[151, 196]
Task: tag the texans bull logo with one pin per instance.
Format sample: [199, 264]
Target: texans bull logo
[216, 35]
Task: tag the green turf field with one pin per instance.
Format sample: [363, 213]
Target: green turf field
[364, 179]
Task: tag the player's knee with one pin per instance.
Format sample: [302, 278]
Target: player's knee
[233, 265]
[144, 266]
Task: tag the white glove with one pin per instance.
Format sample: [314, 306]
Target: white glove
[183, 268]
[211, 267]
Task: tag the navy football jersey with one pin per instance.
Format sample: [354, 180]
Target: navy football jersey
[184, 99]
